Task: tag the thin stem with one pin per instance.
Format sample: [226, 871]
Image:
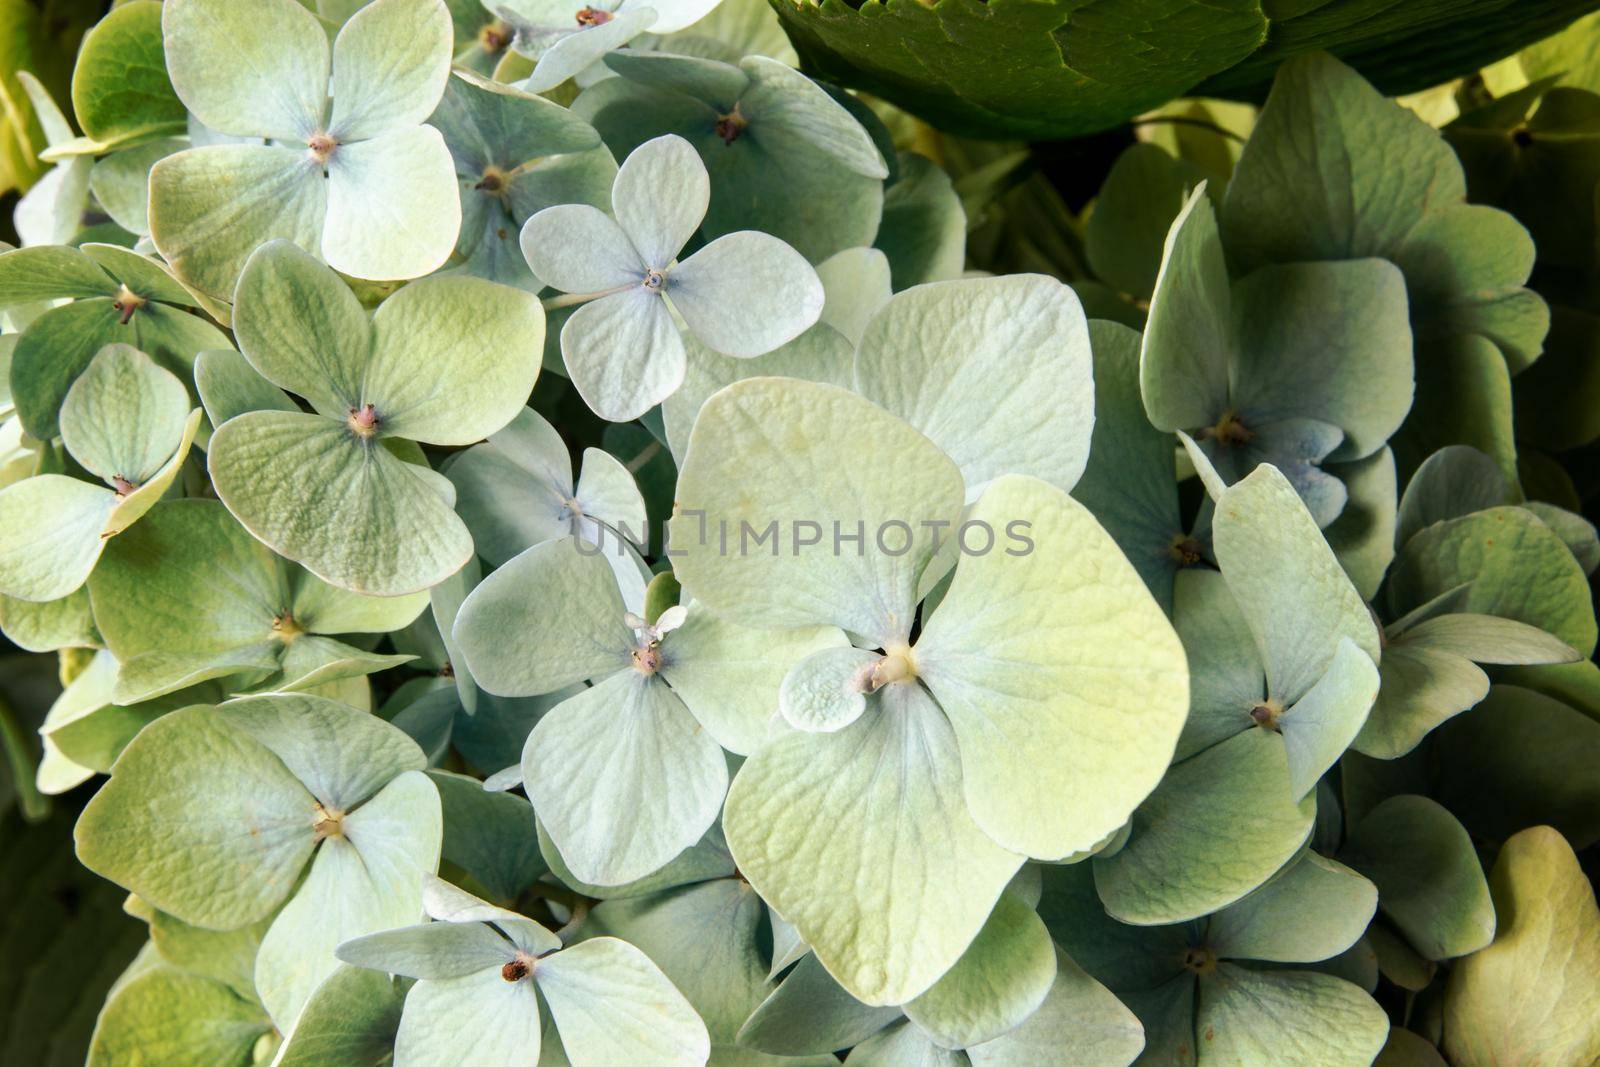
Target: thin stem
[1185, 120]
[566, 300]
[645, 456]
[14, 739]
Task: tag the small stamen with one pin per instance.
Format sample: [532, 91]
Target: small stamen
[122, 485]
[1187, 551]
[321, 146]
[127, 302]
[1229, 430]
[655, 280]
[363, 421]
[284, 628]
[519, 968]
[647, 659]
[591, 16]
[1200, 960]
[493, 180]
[326, 822]
[897, 665]
[494, 37]
[1265, 714]
[731, 125]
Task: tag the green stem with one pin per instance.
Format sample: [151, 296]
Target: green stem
[14, 739]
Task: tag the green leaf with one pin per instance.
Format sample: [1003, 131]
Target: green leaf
[996, 371]
[342, 506]
[900, 762]
[390, 64]
[177, 1018]
[1517, 761]
[1527, 997]
[250, 70]
[1315, 909]
[120, 91]
[1017, 675]
[1002, 979]
[612, 1005]
[230, 825]
[1190, 852]
[1429, 882]
[1287, 1016]
[776, 451]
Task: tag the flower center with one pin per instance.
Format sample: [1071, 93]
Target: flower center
[731, 125]
[655, 280]
[897, 665]
[1200, 960]
[321, 146]
[493, 180]
[327, 822]
[591, 16]
[363, 421]
[647, 658]
[1229, 430]
[1266, 714]
[122, 485]
[126, 303]
[284, 628]
[493, 37]
[1187, 551]
[519, 968]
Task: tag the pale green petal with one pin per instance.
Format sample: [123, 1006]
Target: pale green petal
[132, 507]
[169, 1017]
[430, 951]
[50, 528]
[393, 207]
[780, 97]
[660, 196]
[121, 181]
[211, 207]
[1320, 725]
[200, 820]
[341, 755]
[228, 385]
[1192, 851]
[1298, 1017]
[550, 617]
[924, 226]
[1079, 1021]
[477, 1018]
[730, 675]
[707, 940]
[252, 70]
[827, 690]
[745, 294]
[856, 284]
[623, 778]
[1290, 587]
[351, 1018]
[1065, 683]
[1429, 881]
[345, 508]
[996, 371]
[578, 248]
[66, 622]
[830, 828]
[1315, 909]
[1188, 341]
[607, 492]
[821, 354]
[1529, 997]
[153, 674]
[902, 1045]
[998, 982]
[1326, 341]
[780, 453]
[811, 1013]
[390, 64]
[124, 416]
[623, 353]
[310, 661]
[453, 359]
[302, 328]
[613, 1006]
[573, 52]
[1226, 679]
[366, 880]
